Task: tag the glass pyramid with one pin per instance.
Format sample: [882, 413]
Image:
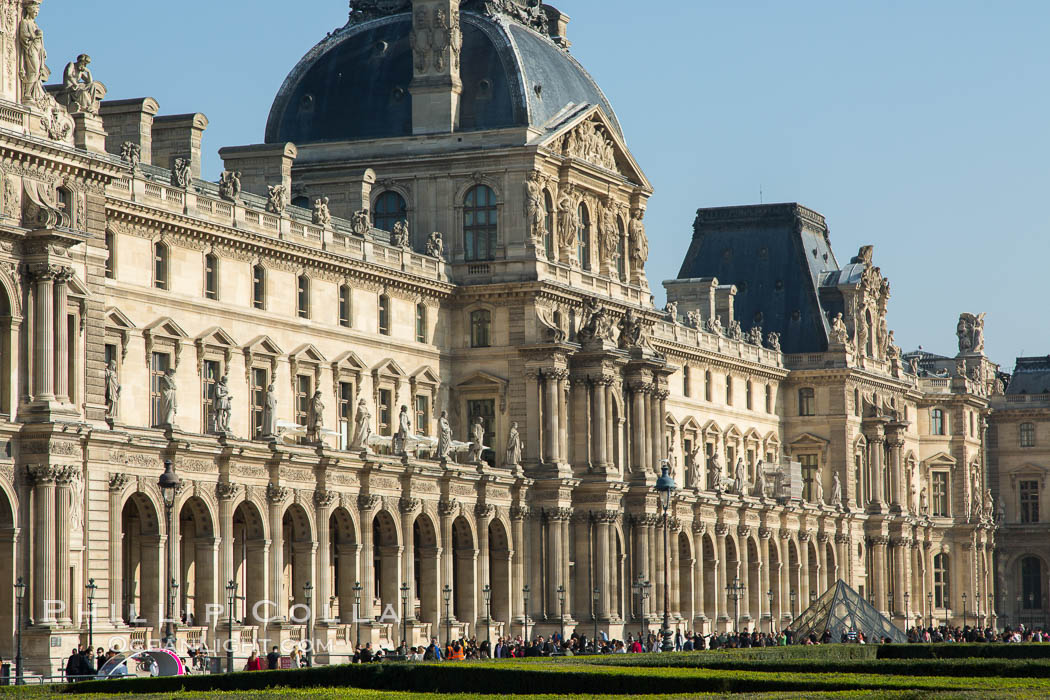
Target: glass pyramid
[841, 609]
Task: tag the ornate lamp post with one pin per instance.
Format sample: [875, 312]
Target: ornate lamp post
[965, 618]
[169, 483]
[357, 610]
[20, 594]
[561, 603]
[769, 594]
[889, 599]
[929, 605]
[446, 592]
[665, 486]
[735, 590]
[794, 597]
[231, 599]
[91, 588]
[308, 593]
[991, 607]
[404, 616]
[595, 599]
[486, 592]
[646, 587]
[525, 599]
[907, 609]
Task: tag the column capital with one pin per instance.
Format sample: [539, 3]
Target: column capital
[43, 473]
[699, 527]
[765, 533]
[276, 495]
[225, 491]
[606, 516]
[448, 508]
[520, 513]
[66, 474]
[118, 481]
[408, 506]
[367, 502]
[324, 498]
[558, 514]
[483, 510]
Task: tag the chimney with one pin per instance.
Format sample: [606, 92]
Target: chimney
[694, 294]
[130, 120]
[359, 193]
[261, 165]
[436, 45]
[557, 26]
[179, 136]
[725, 295]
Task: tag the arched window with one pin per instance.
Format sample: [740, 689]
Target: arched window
[390, 208]
[301, 201]
[480, 324]
[1027, 434]
[685, 381]
[548, 224]
[211, 276]
[707, 385]
[1032, 583]
[479, 223]
[583, 237]
[421, 323]
[258, 287]
[621, 250]
[303, 297]
[344, 306]
[936, 421]
[111, 260]
[806, 401]
[384, 314]
[160, 266]
[941, 583]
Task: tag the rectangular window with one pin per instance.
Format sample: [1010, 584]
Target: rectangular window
[936, 421]
[939, 499]
[423, 415]
[258, 287]
[769, 399]
[809, 476]
[686, 391]
[346, 413]
[303, 393]
[111, 259]
[806, 402]
[384, 314]
[421, 323]
[304, 297]
[211, 277]
[260, 380]
[209, 378]
[344, 306]
[1029, 492]
[1027, 431]
[729, 390]
[707, 385]
[386, 411]
[747, 395]
[159, 364]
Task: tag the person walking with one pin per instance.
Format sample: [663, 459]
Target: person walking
[273, 659]
[254, 663]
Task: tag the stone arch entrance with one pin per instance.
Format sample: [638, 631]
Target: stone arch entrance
[464, 554]
[197, 548]
[426, 569]
[250, 550]
[342, 565]
[298, 558]
[499, 572]
[385, 562]
[142, 598]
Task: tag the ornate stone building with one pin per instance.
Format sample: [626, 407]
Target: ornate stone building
[409, 341]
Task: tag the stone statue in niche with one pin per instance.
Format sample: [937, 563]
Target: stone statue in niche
[883, 337]
[444, 446]
[435, 246]
[360, 223]
[322, 216]
[269, 419]
[181, 173]
[836, 490]
[970, 332]
[638, 240]
[112, 391]
[513, 457]
[477, 440]
[535, 216]
[404, 431]
[760, 480]
[276, 199]
[839, 332]
[568, 220]
[610, 234]
[32, 57]
[315, 418]
[924, 502]
[399, 237]
[80, 91]
[714, 473]
[362, 427]
[740, 478]
[230, 185]
[168, 406]
[223, 406]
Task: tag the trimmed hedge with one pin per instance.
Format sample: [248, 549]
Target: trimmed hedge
[964, 651]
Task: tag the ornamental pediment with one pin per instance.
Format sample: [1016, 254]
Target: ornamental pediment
[591, 138]
[1028, 472]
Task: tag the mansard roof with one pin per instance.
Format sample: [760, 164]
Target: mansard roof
[1031, 376]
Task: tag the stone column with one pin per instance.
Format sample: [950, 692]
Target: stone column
[323, 501]
[225, 493]
[43, 540]
[537, 566]
[674, 576]
[598, 423]
[61, 351]
[365, 505]
[62, 495]
[698, 574]
[878, 556]
[744, 557]
[447, 510]
[637, 430]
[482, 513]
[721, 595]
[900, 582]
[786, 575]
[661, 411]
[518, 514]
[822, 563]
[641, 548]
[803, 563]
[895, 441]
[763, 552]
[656, 432]
[117, 483]
[555, 554]
[563, 416]
[43, 333]
[582, 451]
[876, 440]
[533, 391]
[275, 497]
[603, 562]
[550, 418]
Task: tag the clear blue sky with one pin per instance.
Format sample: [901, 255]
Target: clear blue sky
[920, 127]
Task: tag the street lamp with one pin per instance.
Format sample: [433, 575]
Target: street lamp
[991, 607]
[231, 599]
[769, 594]
[642, 586]
[561, 601]
[20, 594]
[907, 609]
[91, 588]
[595, 599]
[169, 483]
[889, 599]
[929, 605]
[486, 591]
[446, 592]
[794, 596]
[404, 616]
[665, 486]
[965, 619]
[736, 592]
[525, 621]
[308, 593]
[357, 610]
[646, 588]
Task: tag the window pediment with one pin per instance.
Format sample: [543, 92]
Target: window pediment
[1029, 472]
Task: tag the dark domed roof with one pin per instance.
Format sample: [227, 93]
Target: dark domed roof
[354, 84]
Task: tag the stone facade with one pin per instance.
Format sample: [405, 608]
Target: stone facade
[264, 333]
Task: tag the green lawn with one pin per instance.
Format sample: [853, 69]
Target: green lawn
[992, 671]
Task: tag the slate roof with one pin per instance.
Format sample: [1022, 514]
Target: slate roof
[354, 83]
[1031, 376]
[780, 259]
